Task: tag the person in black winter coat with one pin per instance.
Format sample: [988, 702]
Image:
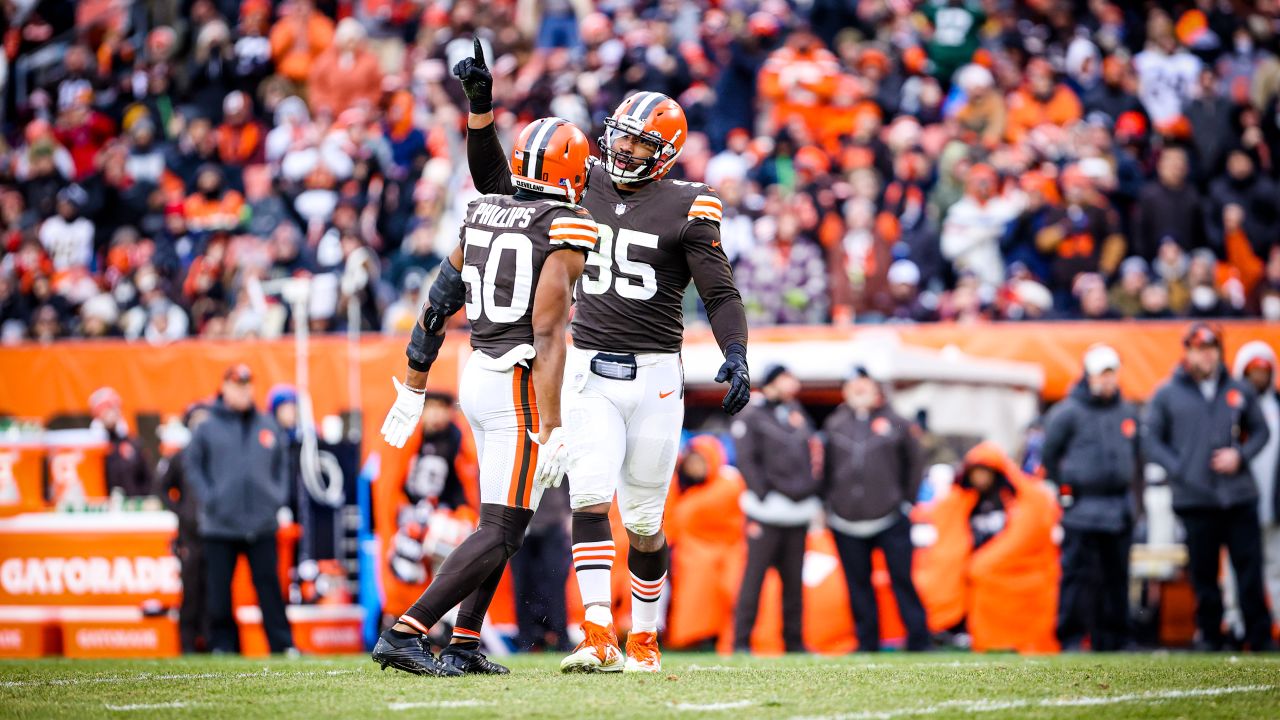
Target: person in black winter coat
[179, 498]
[872, 470]
[127, 468]
[1091, 452]
[1204, 428]
[773, 453]
[1243, 199]
[237, 466]
[1169, 208]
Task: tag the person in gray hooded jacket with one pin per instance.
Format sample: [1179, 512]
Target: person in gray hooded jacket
[1204, 428]
[237, 468]
[872, 472]
[1091, 452]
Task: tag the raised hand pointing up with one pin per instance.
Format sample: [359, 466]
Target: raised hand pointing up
[477, 81]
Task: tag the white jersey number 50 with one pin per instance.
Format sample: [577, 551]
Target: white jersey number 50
[636, 280]
[482, 297]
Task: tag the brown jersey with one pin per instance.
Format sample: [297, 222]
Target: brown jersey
[652, 242]
[504, 244]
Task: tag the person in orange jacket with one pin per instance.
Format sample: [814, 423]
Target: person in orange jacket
[799, 79]
[1040, 101]
[704, 528]
[994, 565]
[298, 38]
[345, 75]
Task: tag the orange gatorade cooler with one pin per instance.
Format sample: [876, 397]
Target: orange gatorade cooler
[77, 465]
[21, 464]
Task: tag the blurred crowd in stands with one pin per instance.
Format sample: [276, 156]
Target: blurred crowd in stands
[880, 160]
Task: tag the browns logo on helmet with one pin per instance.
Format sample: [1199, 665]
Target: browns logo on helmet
[650, 118]
[550, 156]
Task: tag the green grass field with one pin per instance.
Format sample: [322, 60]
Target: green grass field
[691, 686]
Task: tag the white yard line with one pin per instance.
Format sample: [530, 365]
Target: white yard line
[1014, 662]
[149, 677]
[438, 704]
[146, 706]
[984, 706]
[706, 707]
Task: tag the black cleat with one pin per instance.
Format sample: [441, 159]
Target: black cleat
[470, 662]
[411, 658]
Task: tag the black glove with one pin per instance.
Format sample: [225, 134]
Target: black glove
[477, 81]
[734, 371]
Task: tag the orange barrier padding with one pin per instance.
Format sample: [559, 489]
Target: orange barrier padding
[29, 632]
[118, 633]
[121, 559]
[317, 629]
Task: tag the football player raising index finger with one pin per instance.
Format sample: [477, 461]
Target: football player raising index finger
[514, 272]
[623, 399]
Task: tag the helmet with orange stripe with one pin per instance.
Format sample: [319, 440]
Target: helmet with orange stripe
[643, 138]
[550, 156]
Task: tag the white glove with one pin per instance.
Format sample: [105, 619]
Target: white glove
[553, 459]
[403, 417]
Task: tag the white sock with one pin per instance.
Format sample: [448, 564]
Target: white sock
[600, 615]
[593, 563]
[645, 595]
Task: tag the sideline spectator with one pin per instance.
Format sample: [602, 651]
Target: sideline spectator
[705, 530]
[236, 464]
[1091, 453]
[1256, 364]
[774, 443]
[994, 557]
[179, 497]
[1204, 429]
[872, 470]
[127, 468]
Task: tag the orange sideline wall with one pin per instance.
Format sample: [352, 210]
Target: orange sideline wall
[43, 381]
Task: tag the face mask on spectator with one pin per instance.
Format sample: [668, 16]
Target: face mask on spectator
[1271, 308]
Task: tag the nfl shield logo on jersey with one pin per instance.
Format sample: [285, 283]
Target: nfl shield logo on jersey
[619, 208]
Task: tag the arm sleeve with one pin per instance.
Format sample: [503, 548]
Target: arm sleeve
[912, 463]
[713, 277]
[168, 480]
[748, 447]
[1057, 432]
[1255, 428]
[488, 163]
[1155, 430]
[193, 464]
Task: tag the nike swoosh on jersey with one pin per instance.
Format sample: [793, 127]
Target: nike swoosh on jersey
[664, 395]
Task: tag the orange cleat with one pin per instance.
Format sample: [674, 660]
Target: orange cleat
[643, 654]
[598, 651]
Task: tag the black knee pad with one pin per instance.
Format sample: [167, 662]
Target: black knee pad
[507, 523]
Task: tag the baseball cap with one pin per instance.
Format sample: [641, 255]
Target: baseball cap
[239, 373]
[1100, 358]
[773, 372]
[904, 272]
[1201, 335]
[103, 398]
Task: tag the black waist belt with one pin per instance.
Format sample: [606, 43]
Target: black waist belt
[614, 367]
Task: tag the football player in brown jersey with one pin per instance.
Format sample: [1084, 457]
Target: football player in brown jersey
[517, 289]
[624, 396]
